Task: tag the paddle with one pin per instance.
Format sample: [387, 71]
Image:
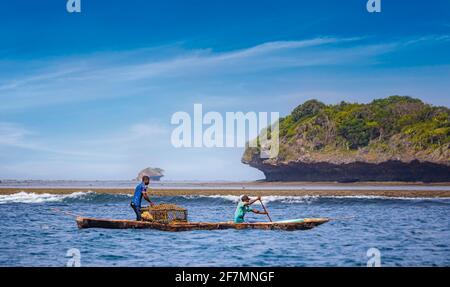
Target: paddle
[265, 210]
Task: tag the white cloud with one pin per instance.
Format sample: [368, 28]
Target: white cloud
[83, 79]
[12, 134]
[103, 146]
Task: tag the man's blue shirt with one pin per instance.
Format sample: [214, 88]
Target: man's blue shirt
[137, 197]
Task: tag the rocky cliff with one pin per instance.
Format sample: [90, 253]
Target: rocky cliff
[392, 139]
[154, 173]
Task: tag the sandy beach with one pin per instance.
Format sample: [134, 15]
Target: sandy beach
[251, 192]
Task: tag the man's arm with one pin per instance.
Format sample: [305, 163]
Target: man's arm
[258, 212]
[147, 198]
[250, 202]
[255, 210]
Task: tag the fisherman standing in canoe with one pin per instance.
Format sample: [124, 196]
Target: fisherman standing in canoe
[139, 192]
[244, 207]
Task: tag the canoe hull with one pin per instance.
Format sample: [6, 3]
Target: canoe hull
[307, 223]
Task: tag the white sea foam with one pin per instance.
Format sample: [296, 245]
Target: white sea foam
[382, 197]
[233, 198]
[265, 199]
[31, 197]
[289, 199]
[309, 198]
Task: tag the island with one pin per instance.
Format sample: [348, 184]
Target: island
[155, 174]
[398, 138]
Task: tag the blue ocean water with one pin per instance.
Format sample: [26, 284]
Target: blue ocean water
[408, 232]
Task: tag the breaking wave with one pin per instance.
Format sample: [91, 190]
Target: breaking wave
[82, 196]
[93, 197]
[265, 199]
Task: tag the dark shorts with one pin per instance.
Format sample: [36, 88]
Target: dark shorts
[137, 210]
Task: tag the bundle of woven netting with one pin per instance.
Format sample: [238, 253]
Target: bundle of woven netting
[164, 213]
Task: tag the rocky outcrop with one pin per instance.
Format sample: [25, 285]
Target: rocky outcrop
[357, 171]
[393, 139]
[155, 174]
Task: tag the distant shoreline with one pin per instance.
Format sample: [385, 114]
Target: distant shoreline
[236, 192]
[236, 183]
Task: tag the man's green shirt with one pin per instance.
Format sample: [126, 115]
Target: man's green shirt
[240, 212]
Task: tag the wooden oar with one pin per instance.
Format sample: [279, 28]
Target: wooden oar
[265, 210]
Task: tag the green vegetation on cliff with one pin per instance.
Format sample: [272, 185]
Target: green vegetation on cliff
[397, 127]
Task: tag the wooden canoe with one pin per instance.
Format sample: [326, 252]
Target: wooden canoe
[299, 224]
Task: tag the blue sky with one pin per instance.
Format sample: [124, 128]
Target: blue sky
[90, 95]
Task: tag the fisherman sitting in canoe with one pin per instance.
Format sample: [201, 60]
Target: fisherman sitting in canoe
[139, 192]
[244, 207]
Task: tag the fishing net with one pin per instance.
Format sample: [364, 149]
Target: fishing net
[164, 213]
